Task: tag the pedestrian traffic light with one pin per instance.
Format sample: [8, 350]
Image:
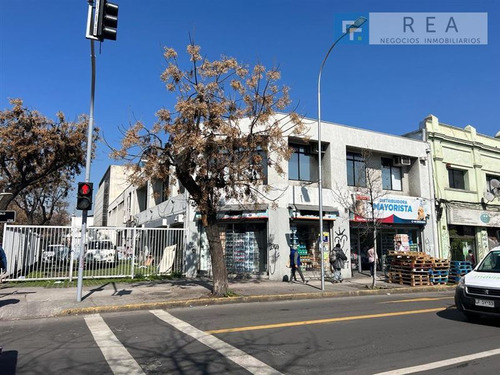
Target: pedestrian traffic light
[84, 196]
[107, 20]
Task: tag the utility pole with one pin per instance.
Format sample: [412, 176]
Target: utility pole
[104, 26]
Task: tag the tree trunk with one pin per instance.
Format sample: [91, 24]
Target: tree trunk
[219, 270]
[374, 280]
[5, 201]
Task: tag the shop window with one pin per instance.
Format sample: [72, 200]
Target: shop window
[356, 169]
[245, 247]
[456, 178]
[303, 165]
[391, 175]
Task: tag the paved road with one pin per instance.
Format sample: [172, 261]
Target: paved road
[354, 335]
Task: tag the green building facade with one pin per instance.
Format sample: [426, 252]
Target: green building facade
[464, 165]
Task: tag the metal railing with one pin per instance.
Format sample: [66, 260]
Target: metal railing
[52, 252]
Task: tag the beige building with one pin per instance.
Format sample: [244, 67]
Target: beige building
[464, 165]
[112, 184]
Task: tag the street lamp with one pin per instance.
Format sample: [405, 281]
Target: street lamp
[360, 21]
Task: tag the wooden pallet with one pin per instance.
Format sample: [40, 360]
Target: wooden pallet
[434, 272]
[408, 278]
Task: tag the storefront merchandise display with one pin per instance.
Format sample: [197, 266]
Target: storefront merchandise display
[242, 251]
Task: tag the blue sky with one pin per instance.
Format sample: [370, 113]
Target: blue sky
[45, 61]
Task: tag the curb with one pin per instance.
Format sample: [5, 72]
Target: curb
[248, 299]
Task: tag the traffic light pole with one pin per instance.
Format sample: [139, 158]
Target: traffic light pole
[87, 174]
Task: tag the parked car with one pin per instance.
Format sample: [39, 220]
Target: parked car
[478, 292]
[101, 252]
[56, 255]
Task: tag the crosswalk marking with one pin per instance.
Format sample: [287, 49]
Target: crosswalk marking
[119, 359]
[249, 363]
[438, 364]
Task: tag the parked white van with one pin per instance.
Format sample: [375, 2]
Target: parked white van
[478, 292]
[101, 252]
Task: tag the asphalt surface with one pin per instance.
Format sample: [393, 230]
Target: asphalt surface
[343, 335]
[20, 302]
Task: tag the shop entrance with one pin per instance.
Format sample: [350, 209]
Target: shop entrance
[362, 240]
[462, 239]
[307, 233]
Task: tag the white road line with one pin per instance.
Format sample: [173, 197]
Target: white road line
[119, 359]
[438, 364]
[249, 363]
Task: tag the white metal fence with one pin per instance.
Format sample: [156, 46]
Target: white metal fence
[52, 252]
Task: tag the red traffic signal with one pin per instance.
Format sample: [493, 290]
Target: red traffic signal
[84, 196]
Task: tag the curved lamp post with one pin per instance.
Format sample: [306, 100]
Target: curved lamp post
[360, 21]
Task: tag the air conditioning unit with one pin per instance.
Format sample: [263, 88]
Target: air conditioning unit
[400, 161]
[179, 218]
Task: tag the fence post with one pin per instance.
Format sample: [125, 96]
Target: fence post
[133, 253]
[73, 242]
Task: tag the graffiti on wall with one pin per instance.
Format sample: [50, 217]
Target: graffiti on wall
[341, 238]
[274, 254]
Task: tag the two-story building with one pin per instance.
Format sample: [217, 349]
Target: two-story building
[256, 236]
[464, 165]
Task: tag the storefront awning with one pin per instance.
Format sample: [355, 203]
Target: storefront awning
[310, 212]
[256, 211]
[309, 207]
[244, 207]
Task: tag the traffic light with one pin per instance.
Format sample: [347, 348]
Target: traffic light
[84, 196]
[107, 20]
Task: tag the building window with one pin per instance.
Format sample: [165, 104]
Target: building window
[391, 175]
[456, 178]
[490, 177]
[356, 169]
[142, 198]
[303, 165]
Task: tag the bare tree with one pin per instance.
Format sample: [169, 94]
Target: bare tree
[222, 135]
[34, 148]
[360, 199]
[45, 204]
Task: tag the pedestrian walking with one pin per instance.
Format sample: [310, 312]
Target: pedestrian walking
[337, 262]
[371, 260]
[295, 265]
[471, 258]
[3, 263]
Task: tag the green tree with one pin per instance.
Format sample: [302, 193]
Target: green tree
[223, 132]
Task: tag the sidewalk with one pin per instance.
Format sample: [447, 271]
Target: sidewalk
[18, 302]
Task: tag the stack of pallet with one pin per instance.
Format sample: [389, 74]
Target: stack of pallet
[459, 269]
[439, 272]
[411, 268]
